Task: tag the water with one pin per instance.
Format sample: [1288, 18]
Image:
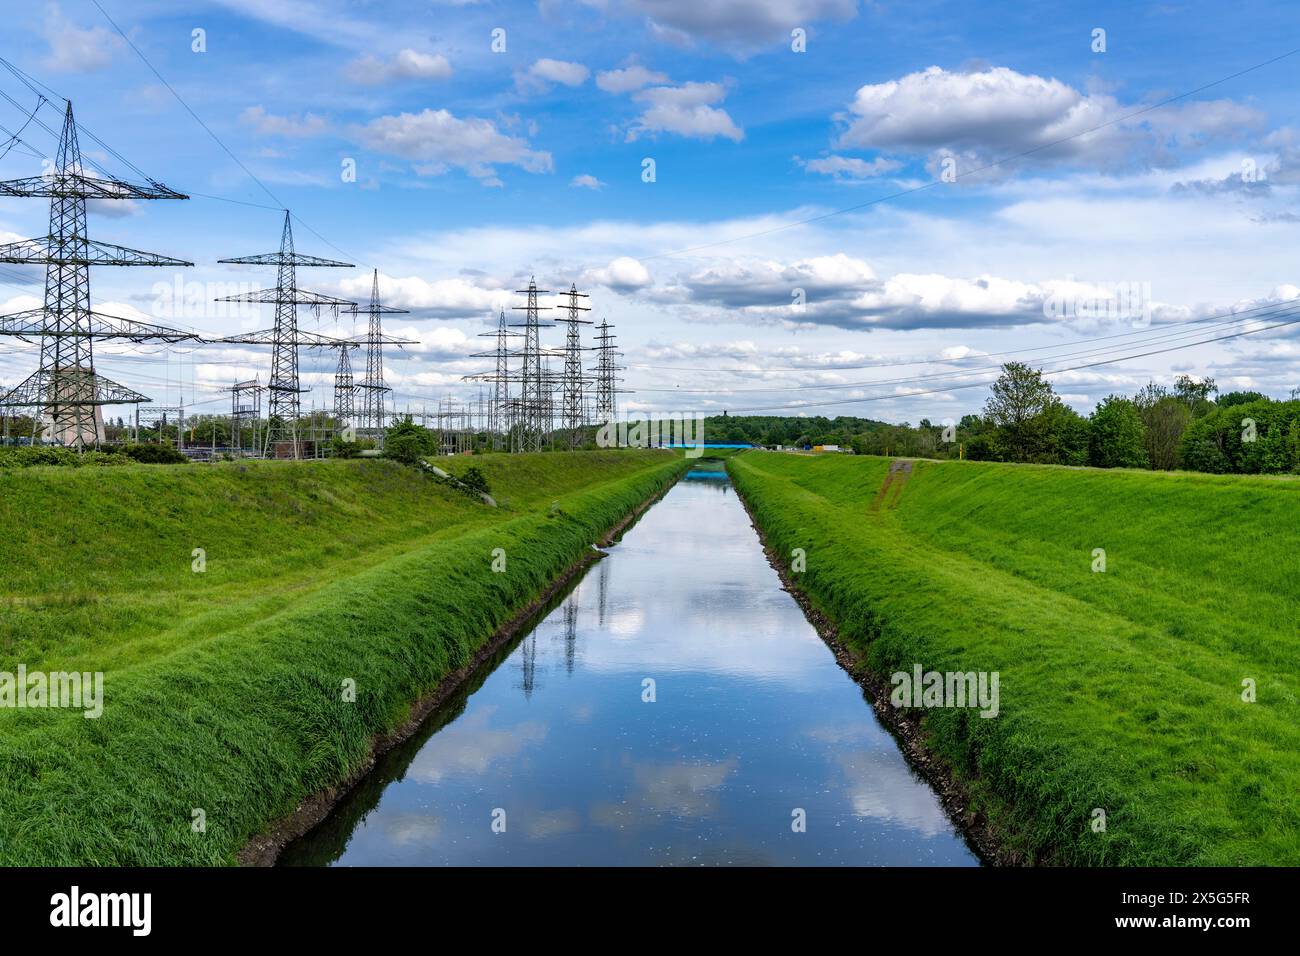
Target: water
[752, 721]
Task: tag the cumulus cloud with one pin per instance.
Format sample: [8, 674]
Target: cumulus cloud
[844, 292]
[685, 110]
[628, 79]
[544, 74]
[623, 274]
[738, 24]
[437, 141]
[586, 181]
[458, 297]
[770, 284]
[74, 50]
[268, 124]
[407, 64]
[849, 167]
[996, 112]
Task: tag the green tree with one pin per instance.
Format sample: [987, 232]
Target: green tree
[407, 442]
[1228, 399]
[1165, 418]
[1016, 409]
[1118, 436]
[1195, 394]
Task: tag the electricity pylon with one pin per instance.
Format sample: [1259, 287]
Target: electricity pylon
[344, 388]
[500, 420]
[285, 338]
[533, 419]
[574, 383]
[373, 390]
[66, 388]
[606, 374]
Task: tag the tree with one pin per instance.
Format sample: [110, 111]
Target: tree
[1228, 399]
[1015, 408]
[1196, 394]
[408, 442]
[1165, 418]
[1118, 436]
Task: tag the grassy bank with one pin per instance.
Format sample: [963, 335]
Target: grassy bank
[224, 689]
[1120, 690]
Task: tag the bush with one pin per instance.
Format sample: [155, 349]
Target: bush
[475, 480]
[1260, 437]
[155, 454]
[1118, 438]
[33, 455]
[345, 449]
[407, 442]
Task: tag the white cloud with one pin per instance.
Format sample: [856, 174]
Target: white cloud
[407, 64]
[740, 24]
[623, 274]
[74, 50]
[268, 124]
[849, 167]
[996, 112]
[453, 298]
[686, 111]
[438, 141]
[628, 79]
[586, 181]
[544, 73]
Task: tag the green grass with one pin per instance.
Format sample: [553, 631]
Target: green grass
[224, 689]
[1120, 690]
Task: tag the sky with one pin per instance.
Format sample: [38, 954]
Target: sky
[782, 206]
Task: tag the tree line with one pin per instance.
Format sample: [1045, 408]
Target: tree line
[1186, 425]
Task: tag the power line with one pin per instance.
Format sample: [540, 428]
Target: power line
[1215, 318]
[1150, 336]
[1059, 371]
[215, 138]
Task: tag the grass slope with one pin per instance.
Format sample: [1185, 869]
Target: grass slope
[1120, 690]
[224, 689]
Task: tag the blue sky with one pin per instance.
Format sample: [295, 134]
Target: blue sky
[476, 169]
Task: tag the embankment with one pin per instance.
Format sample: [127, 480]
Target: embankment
[1126, 732]
[330, 597]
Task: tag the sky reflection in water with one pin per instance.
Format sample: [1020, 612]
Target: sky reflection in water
[753, 718]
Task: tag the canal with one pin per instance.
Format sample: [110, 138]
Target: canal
[673, 707]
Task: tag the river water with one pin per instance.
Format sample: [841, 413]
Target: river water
[673, 707]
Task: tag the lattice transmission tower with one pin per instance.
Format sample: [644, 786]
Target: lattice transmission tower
[500, 417]
[533, 409]
[66, 390]
[245, 411]
[374, 393]
[606, 369]
[574, 383]
[345, 390]
[286, 338]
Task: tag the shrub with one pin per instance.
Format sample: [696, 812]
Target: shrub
[155, 454]
[475, 480]
[30, 456]
[1118, 438]
[345, 449]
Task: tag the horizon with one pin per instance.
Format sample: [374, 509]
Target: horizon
[476, 170]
